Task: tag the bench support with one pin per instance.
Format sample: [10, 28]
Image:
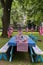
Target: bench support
[11, 54]
[31, 54]
[3, 55]
[38, 57]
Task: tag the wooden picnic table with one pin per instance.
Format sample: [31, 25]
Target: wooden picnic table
[12, 42]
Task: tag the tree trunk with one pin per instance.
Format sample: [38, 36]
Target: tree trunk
[5, 22]
[6, 17]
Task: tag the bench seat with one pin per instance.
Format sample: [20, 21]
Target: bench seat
[37, 50]
[37, 54]
[3, 51]
[4, 48]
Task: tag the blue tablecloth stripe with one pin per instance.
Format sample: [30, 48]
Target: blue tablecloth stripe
[12, 42]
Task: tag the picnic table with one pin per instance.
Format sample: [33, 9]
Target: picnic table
[12, 42]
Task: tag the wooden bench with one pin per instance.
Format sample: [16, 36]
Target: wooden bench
[3, 51]
[37, 53]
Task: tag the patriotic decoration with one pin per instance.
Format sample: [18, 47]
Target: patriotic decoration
[9, 32]
[27, 29]
[41, 30]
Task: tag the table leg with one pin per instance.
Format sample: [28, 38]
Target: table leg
[31, 54]
[11, 54]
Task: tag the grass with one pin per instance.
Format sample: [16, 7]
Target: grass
[21, 58]
[3, 41]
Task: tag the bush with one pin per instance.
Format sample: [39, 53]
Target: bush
[0, 24]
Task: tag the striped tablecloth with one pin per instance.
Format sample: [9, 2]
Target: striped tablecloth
[22, 46]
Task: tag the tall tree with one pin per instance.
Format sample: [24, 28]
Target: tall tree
[33, 8]
[6, 4]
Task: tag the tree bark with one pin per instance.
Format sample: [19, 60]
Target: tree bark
[6, 16]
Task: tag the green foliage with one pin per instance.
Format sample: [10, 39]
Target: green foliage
[17, 13]
[32, 9]
[1, 13]
[0, 23]
[0, 5]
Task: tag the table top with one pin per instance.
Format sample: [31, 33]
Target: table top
[12, 41]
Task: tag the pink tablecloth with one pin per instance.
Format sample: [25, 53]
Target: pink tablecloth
[22, 46]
